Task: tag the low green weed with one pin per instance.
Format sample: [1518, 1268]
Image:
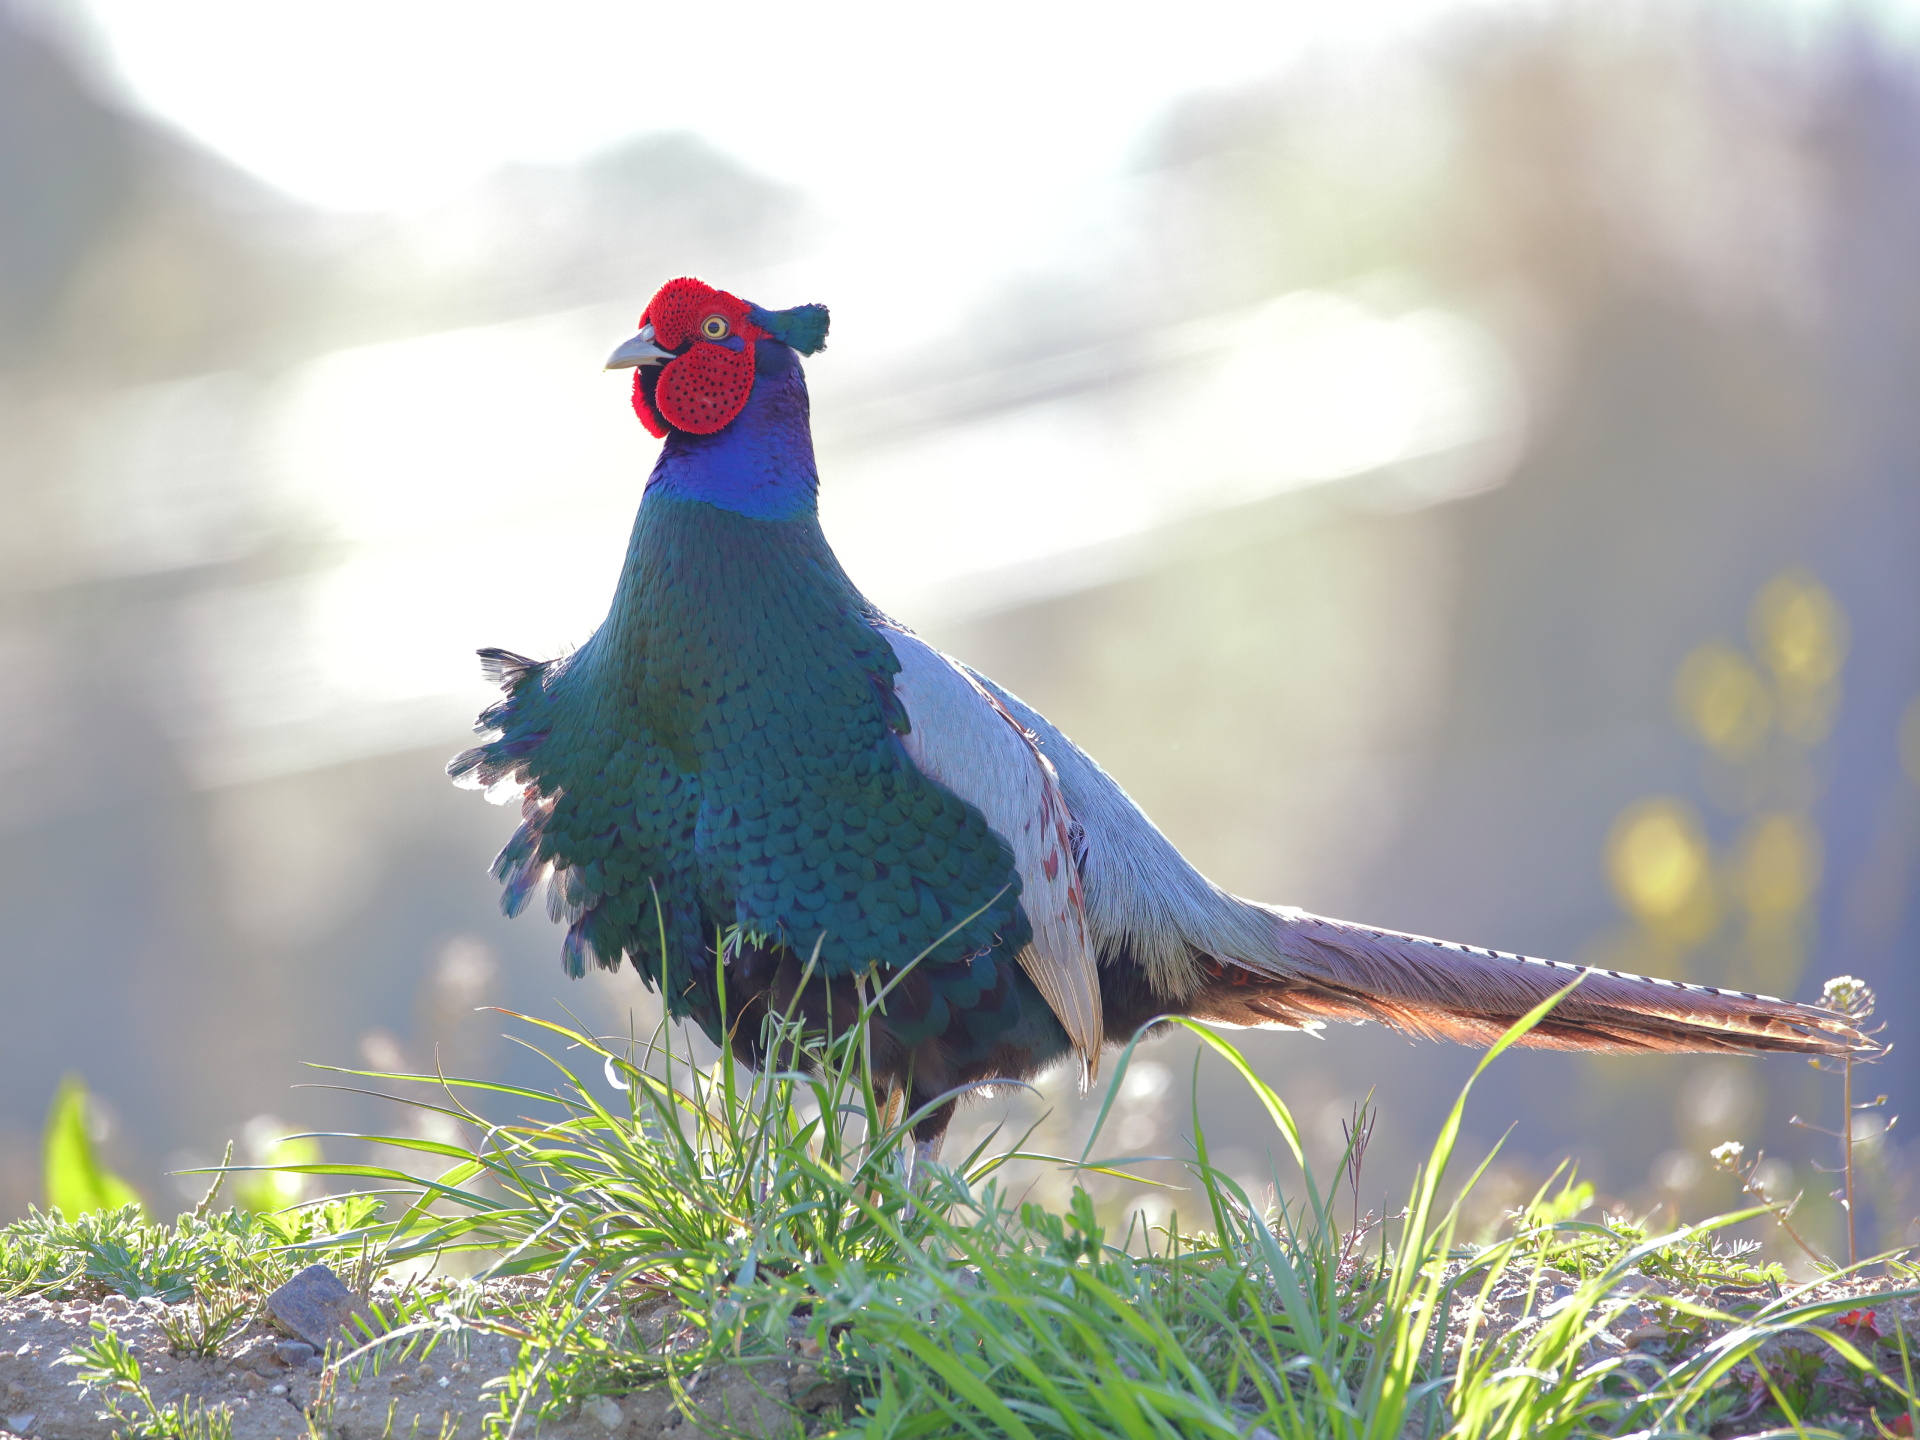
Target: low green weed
[199, 1327]
[122, 1252]
[111, 1372]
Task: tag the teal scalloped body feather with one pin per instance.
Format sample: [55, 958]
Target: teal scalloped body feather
[729, 741]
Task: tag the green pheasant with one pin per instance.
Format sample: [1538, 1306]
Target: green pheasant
[757, 789]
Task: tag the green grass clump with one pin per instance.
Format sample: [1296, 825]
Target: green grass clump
[705, 1220]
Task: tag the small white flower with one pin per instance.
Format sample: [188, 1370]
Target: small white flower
[1850, 996]
[1727, 1156]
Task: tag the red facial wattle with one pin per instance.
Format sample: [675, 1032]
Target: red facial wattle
[705, 388]
[707, 384]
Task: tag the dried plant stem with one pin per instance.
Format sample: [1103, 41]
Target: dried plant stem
[1728, 1158]
[1846, 1150]
[1780, 1211]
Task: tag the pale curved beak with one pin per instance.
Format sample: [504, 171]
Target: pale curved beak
[640, 350]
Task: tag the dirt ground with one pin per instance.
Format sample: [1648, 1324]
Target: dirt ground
[270, 1398]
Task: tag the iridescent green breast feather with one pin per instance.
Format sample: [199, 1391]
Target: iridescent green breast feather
[729, 741]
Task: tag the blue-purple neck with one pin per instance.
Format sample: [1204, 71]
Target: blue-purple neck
[760, 465]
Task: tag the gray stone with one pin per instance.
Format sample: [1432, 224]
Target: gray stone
[1604, 1344]
[605, 1410]
[316, 1306]
[260, 1357]
[1558, 1303]
[295, 1353]
[1638, 1285]
[816, 1394]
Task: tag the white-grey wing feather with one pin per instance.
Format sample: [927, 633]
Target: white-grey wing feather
[964, 738]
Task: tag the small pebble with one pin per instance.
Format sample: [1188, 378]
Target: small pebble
[21, 1424]
[605, 1410]
[276, 1389]
[1638, 1285]
[293, 1352]
[444, 1382]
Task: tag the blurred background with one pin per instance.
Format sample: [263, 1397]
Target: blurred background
[1458, 464]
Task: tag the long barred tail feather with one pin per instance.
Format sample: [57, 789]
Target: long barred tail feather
[1334, 970]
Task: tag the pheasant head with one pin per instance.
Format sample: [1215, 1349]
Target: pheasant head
[694, 358]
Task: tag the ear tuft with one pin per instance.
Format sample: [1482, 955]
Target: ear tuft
[804, 327]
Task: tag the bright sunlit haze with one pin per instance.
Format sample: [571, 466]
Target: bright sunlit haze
[941, 148]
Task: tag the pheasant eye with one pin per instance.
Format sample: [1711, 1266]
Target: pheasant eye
[714, 327]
